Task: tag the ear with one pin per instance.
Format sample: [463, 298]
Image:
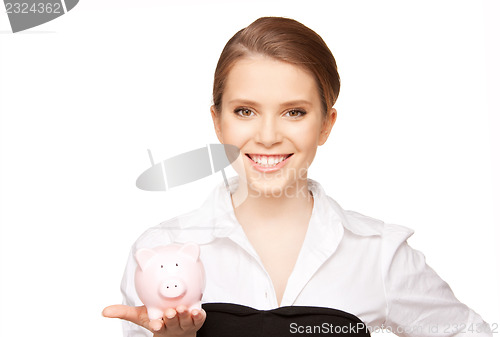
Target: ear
[327, 126]
[217, 120]
[192, 250]
[143, 256]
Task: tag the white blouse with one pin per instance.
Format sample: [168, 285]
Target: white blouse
[348, 261]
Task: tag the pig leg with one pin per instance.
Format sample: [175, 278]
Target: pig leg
[195, 306]
[154, 313]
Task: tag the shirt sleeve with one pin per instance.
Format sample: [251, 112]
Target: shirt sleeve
[419, 302]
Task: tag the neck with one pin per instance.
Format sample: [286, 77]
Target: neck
[288, 206]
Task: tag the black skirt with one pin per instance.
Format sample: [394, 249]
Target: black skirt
[234, 320]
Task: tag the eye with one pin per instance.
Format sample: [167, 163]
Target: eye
[243, 112]
[295, 113]
[162, 266]
[177, 265]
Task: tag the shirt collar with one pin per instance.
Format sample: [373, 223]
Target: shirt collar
[325, 209]
[226, 219]
[216, 217]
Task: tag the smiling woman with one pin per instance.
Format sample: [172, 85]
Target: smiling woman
[279, 129]
[274, 239]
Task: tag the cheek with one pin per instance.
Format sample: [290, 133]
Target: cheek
[235, 133]
[306, 137]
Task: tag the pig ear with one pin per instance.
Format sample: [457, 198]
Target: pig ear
[192, 250]
[143, 256]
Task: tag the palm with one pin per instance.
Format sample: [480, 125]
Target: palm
[175, 322]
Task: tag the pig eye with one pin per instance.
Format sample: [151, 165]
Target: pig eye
[177, 265]
[162, 266]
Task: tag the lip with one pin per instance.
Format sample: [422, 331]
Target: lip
[266, 168]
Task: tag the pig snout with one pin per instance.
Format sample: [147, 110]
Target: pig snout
[172, 288]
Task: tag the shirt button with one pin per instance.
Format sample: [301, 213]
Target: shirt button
[265, 293]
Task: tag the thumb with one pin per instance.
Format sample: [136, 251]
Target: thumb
[132, 314]
[115, 311]
[137, 315]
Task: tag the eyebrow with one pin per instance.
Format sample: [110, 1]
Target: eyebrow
[289, 103]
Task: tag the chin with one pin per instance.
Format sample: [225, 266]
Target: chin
[271, 188]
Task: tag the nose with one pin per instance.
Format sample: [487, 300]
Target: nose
[172, 288]
[268, 132]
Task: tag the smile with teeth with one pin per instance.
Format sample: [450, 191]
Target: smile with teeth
[268, 160]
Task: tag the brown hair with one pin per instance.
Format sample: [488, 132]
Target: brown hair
[285, 40]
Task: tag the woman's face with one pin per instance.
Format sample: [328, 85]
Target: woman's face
[271, 110]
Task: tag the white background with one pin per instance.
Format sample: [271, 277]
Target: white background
[83, 97]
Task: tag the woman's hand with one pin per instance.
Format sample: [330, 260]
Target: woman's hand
[175, 322]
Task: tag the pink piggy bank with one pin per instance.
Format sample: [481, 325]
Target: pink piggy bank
[169, 276]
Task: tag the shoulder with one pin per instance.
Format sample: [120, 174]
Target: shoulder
[355, 222]
[384, 241]
[201, 225]
[196, 226]
[361, 232]
[391, 237]
[365, 225]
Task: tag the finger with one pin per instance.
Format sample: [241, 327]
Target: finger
[198, 317]
[171, 320]
[185, 321]
[156, 324]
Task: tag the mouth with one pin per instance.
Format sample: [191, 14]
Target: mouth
[268, 162]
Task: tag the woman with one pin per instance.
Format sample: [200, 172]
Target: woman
[275, 239]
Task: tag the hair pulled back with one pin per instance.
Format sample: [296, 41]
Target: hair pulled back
[286, 40]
